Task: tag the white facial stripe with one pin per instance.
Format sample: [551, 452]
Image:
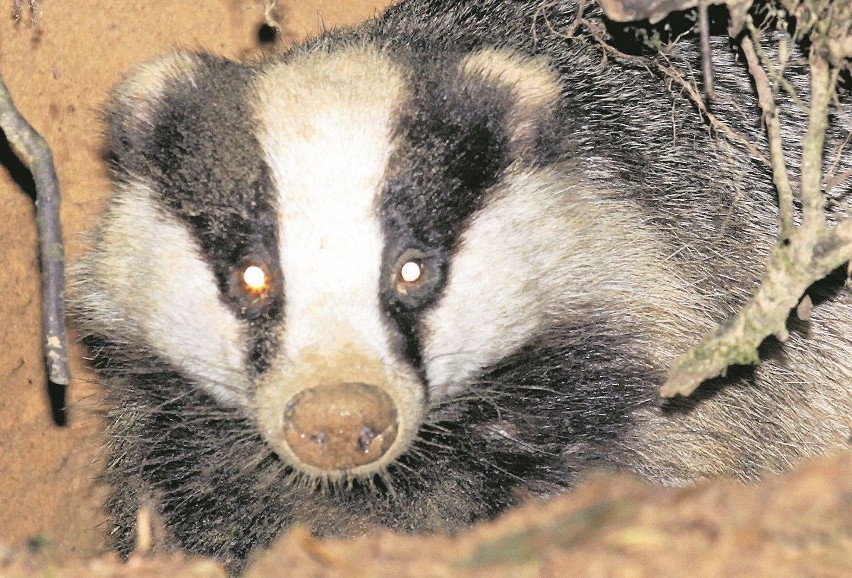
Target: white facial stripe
[327, 141]
[156, 284]
[538, 253]
[535, 85]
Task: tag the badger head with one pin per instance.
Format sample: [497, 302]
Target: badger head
[383, 263]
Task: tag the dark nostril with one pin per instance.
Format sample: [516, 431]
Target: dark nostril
[366, 438]
[320, 438]
[341, 426]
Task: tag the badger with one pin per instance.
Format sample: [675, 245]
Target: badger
[411, 273]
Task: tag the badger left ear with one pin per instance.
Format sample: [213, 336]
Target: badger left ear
[137, 103]
[533, 85]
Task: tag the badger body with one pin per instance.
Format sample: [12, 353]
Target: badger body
[479, 249]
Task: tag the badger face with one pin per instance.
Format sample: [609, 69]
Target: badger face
[374, 185]
[382, 264]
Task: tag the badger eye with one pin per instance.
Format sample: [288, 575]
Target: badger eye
[253, 284]
[255, 279]
[410, 272]
[415, 277]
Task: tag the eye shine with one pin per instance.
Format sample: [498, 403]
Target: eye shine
[255, 279]
[410, 272]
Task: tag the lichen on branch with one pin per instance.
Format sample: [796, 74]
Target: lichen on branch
[802, 255]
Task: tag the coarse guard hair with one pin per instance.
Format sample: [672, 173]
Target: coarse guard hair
[410, 273]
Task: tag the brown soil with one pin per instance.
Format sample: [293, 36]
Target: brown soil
[60, 73]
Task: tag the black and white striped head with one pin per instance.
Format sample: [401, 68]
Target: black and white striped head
[338, 242]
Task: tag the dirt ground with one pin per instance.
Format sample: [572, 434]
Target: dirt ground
[60, 71]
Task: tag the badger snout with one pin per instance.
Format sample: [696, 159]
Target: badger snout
[339, 427]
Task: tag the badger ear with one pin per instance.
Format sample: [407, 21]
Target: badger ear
[137, 103]
[533, 85]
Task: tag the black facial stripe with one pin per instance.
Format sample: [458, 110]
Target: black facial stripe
[208, 169]
[403, 312]
[453, 146]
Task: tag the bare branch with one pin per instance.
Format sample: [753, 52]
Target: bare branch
[600, 36]
[792, 269]
[272, 14]
[776, 145]
[706, 54]
[802, 255]
[823, 83]
[35, 154]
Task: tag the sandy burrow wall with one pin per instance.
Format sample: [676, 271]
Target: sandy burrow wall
[60, 73]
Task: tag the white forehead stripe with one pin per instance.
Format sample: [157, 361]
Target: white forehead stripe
[326, 129]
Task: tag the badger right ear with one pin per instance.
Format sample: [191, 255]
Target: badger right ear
[534, 85]
[137, 103]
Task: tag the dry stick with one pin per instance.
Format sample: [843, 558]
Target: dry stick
[791, 270]
[813, 252]
[776, 145]
[714, 121]
[706, 54]
[272, 14]
[823, 83]
[809, 256]
[35, 154]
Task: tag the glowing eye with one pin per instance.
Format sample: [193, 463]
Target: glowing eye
[255, 278]
[411, 272]
[414, 277]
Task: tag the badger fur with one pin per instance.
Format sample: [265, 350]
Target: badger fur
[480, 249]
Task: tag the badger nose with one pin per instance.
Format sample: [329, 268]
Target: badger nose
[342, 426]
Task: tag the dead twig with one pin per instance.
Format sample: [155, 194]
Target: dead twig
[272, 14]
[776, 145]
[792, 269]
[706, 54]
[807, 254]
[35, 154]
[599, 34]
[823, 84]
